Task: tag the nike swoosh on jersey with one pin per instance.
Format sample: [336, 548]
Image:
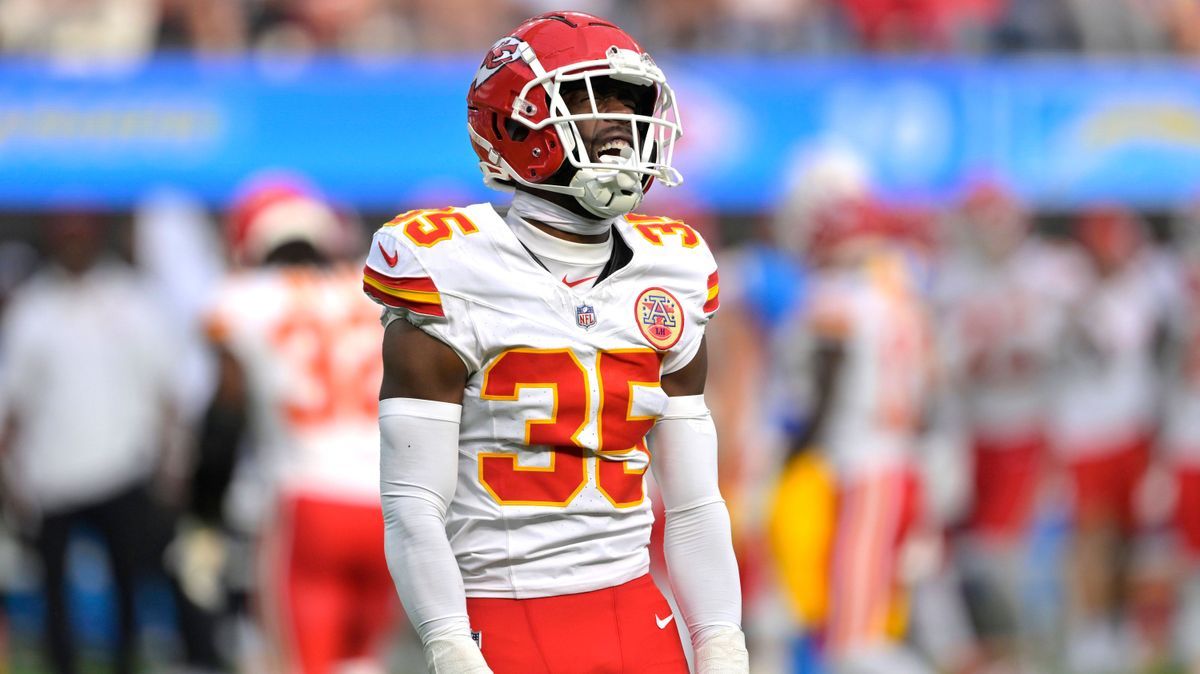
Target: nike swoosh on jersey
[663, 622]
[572, 284]
[390, 259]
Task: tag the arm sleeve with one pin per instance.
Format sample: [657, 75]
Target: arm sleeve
[418, 473]
[699, 548]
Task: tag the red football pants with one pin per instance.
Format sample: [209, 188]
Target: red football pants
[625, 629]
[1006, 481]
[875, 514]
[329, 596]
[1106, 484]
[1187, 509]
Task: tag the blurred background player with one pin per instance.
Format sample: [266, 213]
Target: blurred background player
[90, 432]
[298, 363]
[765, 397]
[999, 323]
[1104, 425]
[870, 341]
[1180, 441]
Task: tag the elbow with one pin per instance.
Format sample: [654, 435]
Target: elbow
[405, 513]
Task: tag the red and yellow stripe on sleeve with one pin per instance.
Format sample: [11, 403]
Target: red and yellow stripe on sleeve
[416, 294]
[713, 301]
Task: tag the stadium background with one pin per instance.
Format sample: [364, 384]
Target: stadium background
[151, 114]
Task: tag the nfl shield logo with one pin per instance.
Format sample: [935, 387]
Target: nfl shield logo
[585, 316]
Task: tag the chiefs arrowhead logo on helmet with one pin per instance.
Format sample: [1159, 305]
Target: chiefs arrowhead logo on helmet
[506, 50]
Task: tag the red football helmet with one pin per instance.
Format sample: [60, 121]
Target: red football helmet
[274, 209]
[523, 132]
[1111, 234]
[849, 220]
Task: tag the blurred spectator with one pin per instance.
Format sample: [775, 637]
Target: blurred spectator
[110, 30]
[300, 376]
[455, 25]
[920, 25]
[682, 24]
[129, 30]
[203, 26]
[1035, 26]
[1182, 19]
[88, 429]
[361, 27]
[812, 26]
[1115, 26]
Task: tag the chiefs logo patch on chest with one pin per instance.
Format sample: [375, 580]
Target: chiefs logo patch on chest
[659, 317]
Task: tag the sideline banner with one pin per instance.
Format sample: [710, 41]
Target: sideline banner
[389, 134]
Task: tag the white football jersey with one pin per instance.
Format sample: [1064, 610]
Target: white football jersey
[563, 387]
[874, 312]
[308, 342]
[1108, 385]
[1181, 432]
[1000, 324]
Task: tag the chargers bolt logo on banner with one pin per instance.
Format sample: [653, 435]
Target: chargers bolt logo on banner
[659, 318]
[585, 316]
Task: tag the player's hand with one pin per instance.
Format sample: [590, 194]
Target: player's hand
[723, 652]
[455, 655]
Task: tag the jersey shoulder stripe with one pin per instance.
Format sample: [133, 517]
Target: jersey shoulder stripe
[417, 294]
[713, 302]
[677, 250]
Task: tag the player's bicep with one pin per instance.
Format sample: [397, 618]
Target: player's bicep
[417, 365]
[689, 379]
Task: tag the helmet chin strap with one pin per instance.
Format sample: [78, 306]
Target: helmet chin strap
[529, 206]
[610, 193]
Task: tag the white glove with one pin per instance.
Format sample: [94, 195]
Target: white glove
[455, 655]
[723, 651]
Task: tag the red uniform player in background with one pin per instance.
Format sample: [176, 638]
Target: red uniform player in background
[297, 346]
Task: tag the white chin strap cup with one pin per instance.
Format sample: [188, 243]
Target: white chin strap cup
[610, 193]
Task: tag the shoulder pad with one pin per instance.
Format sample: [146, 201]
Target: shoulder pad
[676, 239]
[395, 278]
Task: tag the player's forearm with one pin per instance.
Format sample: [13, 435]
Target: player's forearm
[418, 475]
[704, 572]
[698, 541]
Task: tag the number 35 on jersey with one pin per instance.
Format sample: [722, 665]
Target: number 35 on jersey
[617, 430]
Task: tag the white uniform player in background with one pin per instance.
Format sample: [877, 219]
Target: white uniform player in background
[298, 344]
[1000, 316]
[1180, 441]
[528, 354]
[872, 368]
[1104, 425]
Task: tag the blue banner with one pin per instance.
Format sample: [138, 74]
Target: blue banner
[390, 134]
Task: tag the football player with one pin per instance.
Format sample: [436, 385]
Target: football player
[1104, 423]
[295, 340]
[999, 326]
[528, 354]
[869, 337]
[1181, 432]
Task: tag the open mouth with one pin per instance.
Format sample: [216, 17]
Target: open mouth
[614, 148]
